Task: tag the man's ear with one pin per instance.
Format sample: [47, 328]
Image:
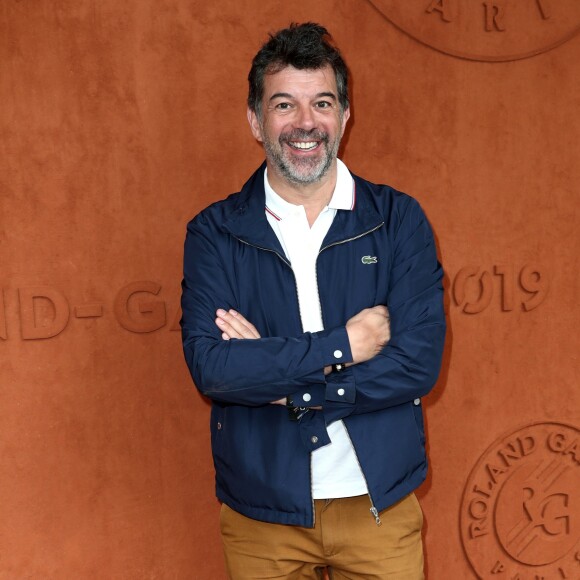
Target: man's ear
[345, 118]
[255, 125]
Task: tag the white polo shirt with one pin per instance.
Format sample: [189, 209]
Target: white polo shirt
[335, 468]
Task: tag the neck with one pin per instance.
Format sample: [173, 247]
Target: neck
[313, 196]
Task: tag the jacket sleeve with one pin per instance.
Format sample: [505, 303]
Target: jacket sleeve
[408, 366]
[245, 372]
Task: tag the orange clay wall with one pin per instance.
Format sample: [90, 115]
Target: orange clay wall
[121, 120]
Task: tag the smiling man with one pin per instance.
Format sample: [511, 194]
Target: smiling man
[301, 130]
[313, 320]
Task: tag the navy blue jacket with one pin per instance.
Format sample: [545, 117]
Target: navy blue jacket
[233, 259]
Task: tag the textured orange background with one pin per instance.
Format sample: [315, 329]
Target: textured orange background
[121, 120]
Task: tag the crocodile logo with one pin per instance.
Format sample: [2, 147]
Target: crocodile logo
[369, 259]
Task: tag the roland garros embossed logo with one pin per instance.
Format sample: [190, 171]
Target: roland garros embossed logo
[520, 513]
[485, 30]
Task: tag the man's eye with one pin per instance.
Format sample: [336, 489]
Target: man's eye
[283, 106]
[323, 105]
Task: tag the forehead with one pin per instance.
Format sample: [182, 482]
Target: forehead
[300, 82]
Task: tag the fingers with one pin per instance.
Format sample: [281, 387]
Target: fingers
[279, 402]
[367, 315]
[382, 312]
[380, 309]
[234, 325]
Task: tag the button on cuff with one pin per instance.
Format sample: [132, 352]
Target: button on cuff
[313, 396]
[342, 389]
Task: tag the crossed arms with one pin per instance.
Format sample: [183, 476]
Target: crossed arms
[393, 361]
[368, 332]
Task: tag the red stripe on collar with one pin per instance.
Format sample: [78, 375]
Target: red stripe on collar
[273, 214]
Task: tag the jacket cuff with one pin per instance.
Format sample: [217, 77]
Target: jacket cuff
[340, 396]
[334, 346]
[341, 387]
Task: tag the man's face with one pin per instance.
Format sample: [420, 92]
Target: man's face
[301, 123]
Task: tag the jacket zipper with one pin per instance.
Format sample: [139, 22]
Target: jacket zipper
[265, 250]
[351, 239]
[285, 262]
[373, 509]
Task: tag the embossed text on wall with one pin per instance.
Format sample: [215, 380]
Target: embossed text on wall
[45, 311]
[519, 517]
[138, 307]
[488, 30]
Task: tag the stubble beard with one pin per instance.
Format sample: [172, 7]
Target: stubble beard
[296, 170]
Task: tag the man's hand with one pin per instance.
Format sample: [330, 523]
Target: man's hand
[368, 332]
[234, 325]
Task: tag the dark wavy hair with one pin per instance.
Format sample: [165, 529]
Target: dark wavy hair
[303, 46]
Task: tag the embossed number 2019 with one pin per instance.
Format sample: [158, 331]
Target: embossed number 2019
[532, 280]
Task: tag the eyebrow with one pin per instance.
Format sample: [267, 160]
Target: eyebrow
[289, 96]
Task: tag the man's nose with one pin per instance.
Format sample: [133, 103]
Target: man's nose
[305, 118]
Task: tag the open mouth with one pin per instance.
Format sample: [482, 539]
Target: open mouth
[303, 145]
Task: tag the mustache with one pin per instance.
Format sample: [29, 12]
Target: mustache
[303, 135]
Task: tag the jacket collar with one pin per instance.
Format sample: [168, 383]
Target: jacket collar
[248, 221]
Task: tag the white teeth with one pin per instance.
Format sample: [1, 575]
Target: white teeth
[302, 145]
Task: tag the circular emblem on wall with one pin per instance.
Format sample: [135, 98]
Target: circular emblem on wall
[488, 30]
[520, 512]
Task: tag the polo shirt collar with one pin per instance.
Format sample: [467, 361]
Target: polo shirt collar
[343, 196]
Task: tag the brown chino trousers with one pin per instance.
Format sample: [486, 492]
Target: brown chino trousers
[345, 541]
